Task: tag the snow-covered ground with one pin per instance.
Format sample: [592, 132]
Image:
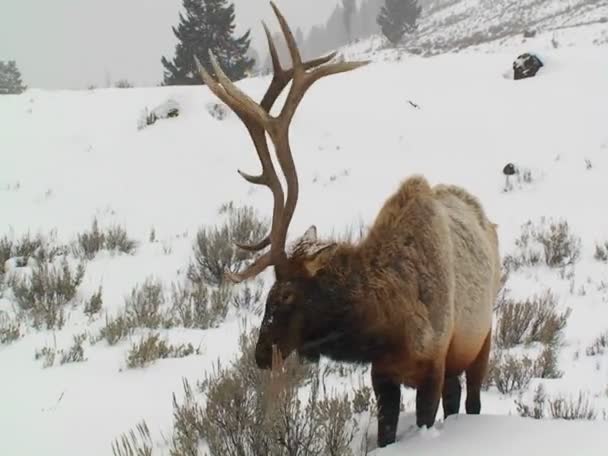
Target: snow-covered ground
[69, 156]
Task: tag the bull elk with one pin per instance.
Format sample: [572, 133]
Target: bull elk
[414, 297]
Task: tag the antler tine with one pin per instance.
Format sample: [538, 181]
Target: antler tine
[296, 58]
[265, 242]
[239, 98]
[254, 269]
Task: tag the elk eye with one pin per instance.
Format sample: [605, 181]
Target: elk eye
[288, 298]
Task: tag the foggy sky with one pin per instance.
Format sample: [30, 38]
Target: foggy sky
[70, 44]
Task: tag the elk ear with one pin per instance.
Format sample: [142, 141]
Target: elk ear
[318, 257]
[310, 235]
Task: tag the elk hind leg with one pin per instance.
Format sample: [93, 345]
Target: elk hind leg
[475, 376]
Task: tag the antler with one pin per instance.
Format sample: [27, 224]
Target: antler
[258, 121]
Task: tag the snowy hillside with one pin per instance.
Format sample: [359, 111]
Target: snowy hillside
[67, 157]
[456, 25]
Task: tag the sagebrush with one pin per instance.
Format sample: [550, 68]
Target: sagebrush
[548, 242]
[44, 294]
[215, 251]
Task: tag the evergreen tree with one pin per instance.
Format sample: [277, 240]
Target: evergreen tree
[207, 25]
[10, 78]
[398, 17]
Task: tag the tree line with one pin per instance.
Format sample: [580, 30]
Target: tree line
[210, 25]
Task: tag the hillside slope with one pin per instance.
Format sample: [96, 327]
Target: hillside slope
[67, 157]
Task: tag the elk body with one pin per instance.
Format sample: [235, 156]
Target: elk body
[414, 297]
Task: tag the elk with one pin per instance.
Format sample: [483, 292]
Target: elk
[413, 297]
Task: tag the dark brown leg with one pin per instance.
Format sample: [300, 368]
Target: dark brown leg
[428, 396]
[388, 398]
[475, 376]
[451, 396]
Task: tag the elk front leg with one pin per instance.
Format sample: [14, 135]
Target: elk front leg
[428, 395]
[388, 398]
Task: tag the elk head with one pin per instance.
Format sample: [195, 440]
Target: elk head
[295, 287]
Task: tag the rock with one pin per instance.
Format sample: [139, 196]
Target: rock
[526, 66]
[509, 169]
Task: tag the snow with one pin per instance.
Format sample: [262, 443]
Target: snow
[69, 156]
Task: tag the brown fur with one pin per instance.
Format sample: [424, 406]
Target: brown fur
[414, 297]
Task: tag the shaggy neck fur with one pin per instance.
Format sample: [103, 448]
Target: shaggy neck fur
[335, 324]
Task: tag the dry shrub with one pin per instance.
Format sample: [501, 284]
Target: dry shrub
[114, 238]
[143, 309]
[151, 347]
[144, 304]
[44, 295]
[10, 329]
[215, 251]
[560, 407]
[116, 329]
[117, 240]
[510, 373]
[134, 443]
[94, 304]
[74, 354]
[534, 320]
[599, 346]
[601, 252]
[195, 306]
[549, 242]
[192, 305]
[246, 414]
[42, 249]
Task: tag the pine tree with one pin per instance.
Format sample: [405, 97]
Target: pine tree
[398, 17]
[207, 25]
[10, 78]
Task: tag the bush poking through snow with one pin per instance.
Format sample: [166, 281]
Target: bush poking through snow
[510, 373]
[534, 320]
[134, 443]
[94, 304]
[151, 347]
[166, 110]
[144, 304]
[244, 415]
[116, 329]
[10, 330]
[552, 244]
[601, 252]
[215, 251]
[114, 238]
[249, 297]
[39, 248]
[118, 241]
[560, 407]
[193, 306]
[217, 110]
[90, 243]
[75, 354]
[599, 345]
[47, 354]
[44, 295]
